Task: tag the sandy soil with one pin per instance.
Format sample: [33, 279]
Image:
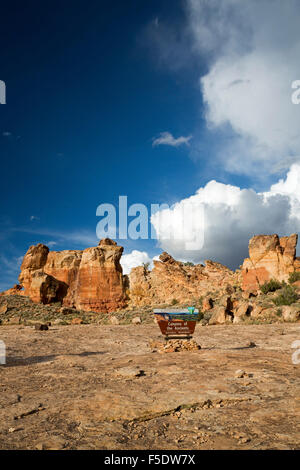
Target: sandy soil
[104, 387]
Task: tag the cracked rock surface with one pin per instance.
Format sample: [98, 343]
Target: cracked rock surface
[103, 387]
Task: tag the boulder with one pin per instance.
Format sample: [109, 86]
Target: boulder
[290, 313]
[46, 289]
[41, 327]
[257, 311]
[220, 316]
[3, 308]
[207, 304]
[226, 302]
[242, 311]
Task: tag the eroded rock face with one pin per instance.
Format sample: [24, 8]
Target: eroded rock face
[34, 260]
[92, 279]
[100, 278]
[171, 280]
[270, 257]
[15, 290]
[46, 289]
[64, 266]
[89, 280]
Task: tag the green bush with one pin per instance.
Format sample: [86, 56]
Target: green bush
[270, 286]
[295, 276]
[287, 296]
[200, 315]
[146, 266]
[188, 263]
[174, 302]
[279, 312]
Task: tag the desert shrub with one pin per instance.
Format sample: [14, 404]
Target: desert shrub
[279, 312]
[293, 277]
[206, 317]
[188, 263]
[270, 286]
[137, 290]
[287, 296]
[146, 266]
[200, 315]
[174, 302]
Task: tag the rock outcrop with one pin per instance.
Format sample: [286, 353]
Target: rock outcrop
[270, 257]
[172, 281]
[92, 279]
[89, 280]
[46, 289]
[17, 289]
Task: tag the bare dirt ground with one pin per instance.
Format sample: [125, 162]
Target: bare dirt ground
[103, 387]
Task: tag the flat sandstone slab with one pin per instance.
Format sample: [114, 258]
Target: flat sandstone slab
[105, 387]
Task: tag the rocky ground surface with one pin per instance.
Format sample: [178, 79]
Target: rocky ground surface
[106, 387]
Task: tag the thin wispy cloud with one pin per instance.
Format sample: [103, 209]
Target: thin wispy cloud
[12, 265]
[9, 270]
[51, 243]
[82, 238]
[166, 138]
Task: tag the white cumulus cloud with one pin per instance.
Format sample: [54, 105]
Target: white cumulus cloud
[252, 52]
[231, 217]
[134, 259]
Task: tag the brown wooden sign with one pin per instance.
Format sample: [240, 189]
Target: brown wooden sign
[177, 327]
[177, 322]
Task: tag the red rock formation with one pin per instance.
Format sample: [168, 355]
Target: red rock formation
[89, 280]
[34, 259]
[16, 290]
[171, 279]
[100, 278]
[92, 279]
[46, 289]
[64, 266]
[270, 257]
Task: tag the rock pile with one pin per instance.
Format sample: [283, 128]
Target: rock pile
[175, 345]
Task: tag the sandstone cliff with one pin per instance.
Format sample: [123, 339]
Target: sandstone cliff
[92, 279]
[270, 257]
[173, 281]
[89, 280]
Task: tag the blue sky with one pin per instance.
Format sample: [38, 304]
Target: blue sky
[90, 85]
